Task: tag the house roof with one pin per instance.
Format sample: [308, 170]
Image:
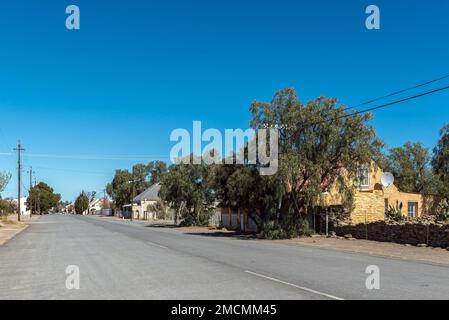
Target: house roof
[151, 194]
[95, 202]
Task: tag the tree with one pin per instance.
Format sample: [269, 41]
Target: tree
[120, 189]
[4, 180]
[321, 145]
[44, 197]
[185, 187]
[410, 165]
[440, 161]
[7, 207]
[126, 185]
[82, 203]
[242, 187]
[156, 170]
[139, 179]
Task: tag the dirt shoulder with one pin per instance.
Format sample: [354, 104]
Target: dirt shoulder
[382, 249]
[10, 227]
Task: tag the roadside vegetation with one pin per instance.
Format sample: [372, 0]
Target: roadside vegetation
[321, 144]
[43, 198]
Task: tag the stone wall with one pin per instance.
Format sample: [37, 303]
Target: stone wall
[413, 233]
[368, 207]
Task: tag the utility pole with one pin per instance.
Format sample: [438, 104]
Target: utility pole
[29, 194]
[133, 196]
[35, 202]
[132, 200]
[19, 149]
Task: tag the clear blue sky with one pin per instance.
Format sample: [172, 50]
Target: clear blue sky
[139, 69]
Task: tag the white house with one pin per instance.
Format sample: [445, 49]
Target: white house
[23, 206]
[141, 206]
[94, 206]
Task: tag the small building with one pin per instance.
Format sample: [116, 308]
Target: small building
[144, 205]
[95, 207]
[23, 206]
[372, 200]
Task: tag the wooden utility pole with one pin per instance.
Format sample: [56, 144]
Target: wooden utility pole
[19, 168]
[29, 193]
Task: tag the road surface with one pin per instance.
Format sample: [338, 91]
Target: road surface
[126, 260]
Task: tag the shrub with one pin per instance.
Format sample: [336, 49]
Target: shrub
[271, 230]
[443, 211]
[395, 214]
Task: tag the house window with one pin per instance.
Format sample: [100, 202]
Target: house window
[364, 178]
[412, 209]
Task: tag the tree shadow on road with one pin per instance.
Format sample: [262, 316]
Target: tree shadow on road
[165, 226]
[225, 234]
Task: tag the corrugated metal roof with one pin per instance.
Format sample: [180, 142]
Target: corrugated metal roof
[151, 194]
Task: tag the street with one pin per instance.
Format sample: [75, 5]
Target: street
[126, 260]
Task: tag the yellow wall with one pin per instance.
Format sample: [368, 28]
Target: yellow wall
[369, 203]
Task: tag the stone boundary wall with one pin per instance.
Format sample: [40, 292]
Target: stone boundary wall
[433, 235]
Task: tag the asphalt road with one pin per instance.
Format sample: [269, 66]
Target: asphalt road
[125, 260]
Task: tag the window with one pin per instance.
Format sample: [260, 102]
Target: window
[364, 178]
[412, 209]
[387, 207]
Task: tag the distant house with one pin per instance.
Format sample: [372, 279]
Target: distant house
[23, 206]
[143, 206]
[94, 206]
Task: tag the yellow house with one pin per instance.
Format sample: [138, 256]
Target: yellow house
[372, 200]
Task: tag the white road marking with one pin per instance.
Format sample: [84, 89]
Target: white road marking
[294, 285]
[156, 245]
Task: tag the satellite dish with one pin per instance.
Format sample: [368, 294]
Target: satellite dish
[387, 179]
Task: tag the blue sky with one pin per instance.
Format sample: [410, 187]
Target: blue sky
[86, 102]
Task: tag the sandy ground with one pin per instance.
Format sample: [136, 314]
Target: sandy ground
[10, 227]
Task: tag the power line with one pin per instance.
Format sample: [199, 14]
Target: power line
[382, 106]
[397, 102]
[400, 91]
[71, 170]
[96, 157]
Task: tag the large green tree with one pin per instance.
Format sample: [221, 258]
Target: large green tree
[82, 202]
[120, 188]
[410, 165]
[126, 185]
[321, 144]
[440, 161]
[185, 187]
[156, 170]
[43, 197]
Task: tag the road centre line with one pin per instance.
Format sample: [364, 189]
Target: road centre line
[294, 285]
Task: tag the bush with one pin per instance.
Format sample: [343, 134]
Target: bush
[271, 230]
[201, 219]
[443, 215]
[304, 229]
[395, 214]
